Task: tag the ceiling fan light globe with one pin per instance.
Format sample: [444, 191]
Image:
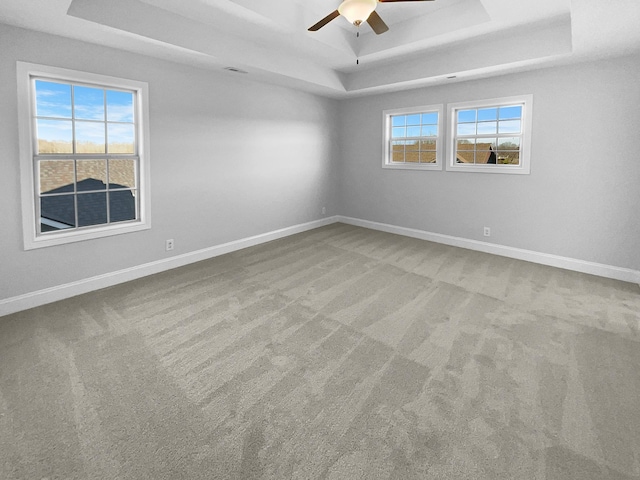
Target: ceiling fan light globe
[357, 11]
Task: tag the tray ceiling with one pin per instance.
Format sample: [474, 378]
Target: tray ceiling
[428, 42]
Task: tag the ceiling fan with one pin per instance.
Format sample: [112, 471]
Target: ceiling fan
[358, 11]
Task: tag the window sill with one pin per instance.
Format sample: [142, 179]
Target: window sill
[412, 166]
[513, 169]
[62, 238]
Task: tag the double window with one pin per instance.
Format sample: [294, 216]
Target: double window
[489, 136]
[412, 138]
[84, 155]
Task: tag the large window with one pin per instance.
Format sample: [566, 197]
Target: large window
[412, 138]
[491, 136]
[84, 155]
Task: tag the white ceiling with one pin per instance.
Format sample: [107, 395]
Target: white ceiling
[427, 41]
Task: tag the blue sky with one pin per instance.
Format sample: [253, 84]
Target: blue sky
[414, 125]
[54, 101]
[500, 121]
[490, 121]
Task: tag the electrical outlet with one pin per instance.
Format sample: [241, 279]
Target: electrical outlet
[324, 211]
[169, 244]
[487, 231]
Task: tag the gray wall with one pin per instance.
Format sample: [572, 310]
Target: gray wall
[230, 158]
[581, 199]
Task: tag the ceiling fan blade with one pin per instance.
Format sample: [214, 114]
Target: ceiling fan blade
[376, 23]
[324, 21]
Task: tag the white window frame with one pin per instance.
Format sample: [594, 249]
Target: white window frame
[386, 138]
[524, 166]
[26, 75]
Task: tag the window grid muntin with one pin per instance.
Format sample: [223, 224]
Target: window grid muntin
[25, 71]
[430, 118]
[489, 136]
[525, 103]
[72, 118]
[417, 139]
[75, 156]
[75, 192]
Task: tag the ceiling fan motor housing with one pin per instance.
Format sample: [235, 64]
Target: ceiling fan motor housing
[357, 11]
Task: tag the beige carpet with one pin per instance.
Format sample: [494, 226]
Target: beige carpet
[340, 353]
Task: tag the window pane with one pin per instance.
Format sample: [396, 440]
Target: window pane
[429, 130]
[509, 143]
[54, 136]
[398, 121]
[92, 209]
[510, 126]
[427, 157]
[466, 129]
[122, 173]
[412, 146]
[53, 99]
[428, 145]
[487, 141]
[412, 157]
[465, 156]
[91, 175]
[430, 118]
[56, 176]
[398, 132]
[510, 157]
[119, 106]
[466, 116]
[88, 103]
[398, 155]
[413, 131]
[90, 137]
[397, 151]
[485, 114]
[413, 119]
[121, 138]
[57, 212]
[466, 144]
[507, 113]
[485, 153]
[122, 206]
[487, 128]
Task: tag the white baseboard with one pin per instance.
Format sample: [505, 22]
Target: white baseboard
[60, 292]
[68, 290]
[599, 269]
